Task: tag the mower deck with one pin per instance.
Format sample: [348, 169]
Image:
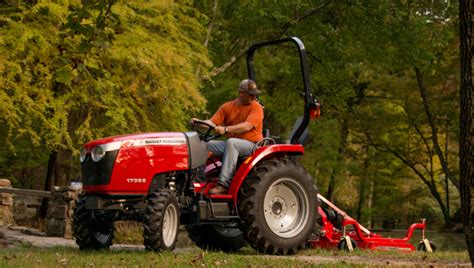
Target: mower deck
[346, 233]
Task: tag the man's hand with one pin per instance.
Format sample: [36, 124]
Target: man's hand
[220, 129]
[191, 122]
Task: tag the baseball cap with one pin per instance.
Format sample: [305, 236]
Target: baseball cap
[250, 86]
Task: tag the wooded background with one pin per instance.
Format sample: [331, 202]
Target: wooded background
[386, 73]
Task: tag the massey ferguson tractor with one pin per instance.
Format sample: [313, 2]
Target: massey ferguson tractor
[162, 180]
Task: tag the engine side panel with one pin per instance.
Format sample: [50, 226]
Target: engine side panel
[139, 160]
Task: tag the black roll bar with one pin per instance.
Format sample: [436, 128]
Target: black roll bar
[309, 100]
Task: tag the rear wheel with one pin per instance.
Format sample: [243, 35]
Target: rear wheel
[279, 207]
[161, 221]
[90, 234]
[217, 237]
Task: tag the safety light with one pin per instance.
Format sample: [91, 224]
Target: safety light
[315, 111]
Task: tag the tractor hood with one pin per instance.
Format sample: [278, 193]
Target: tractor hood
[139, 139]
[128, 163]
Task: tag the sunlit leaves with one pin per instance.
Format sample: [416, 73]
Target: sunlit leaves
[74, 73]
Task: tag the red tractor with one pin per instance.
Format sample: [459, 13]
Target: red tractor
[162, 179]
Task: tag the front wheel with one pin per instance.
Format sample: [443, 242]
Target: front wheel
[161, 221]
[90, 234]
[279, 207]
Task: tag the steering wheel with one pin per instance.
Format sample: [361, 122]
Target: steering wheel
[204, 130]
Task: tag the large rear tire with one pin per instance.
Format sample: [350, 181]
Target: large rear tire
[216, 237]
[90, 234]
[279, 207]
[161, 221]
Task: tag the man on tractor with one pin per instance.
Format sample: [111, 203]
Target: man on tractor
[242, 121]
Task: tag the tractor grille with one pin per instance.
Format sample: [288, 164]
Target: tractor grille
[98, 173]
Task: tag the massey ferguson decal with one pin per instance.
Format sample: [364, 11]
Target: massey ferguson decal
[160, 141]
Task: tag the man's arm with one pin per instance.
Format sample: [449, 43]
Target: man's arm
[255, 117]
[236, 129]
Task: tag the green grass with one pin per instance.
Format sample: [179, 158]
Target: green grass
[27, 256]
[127, 232]
[71, 257]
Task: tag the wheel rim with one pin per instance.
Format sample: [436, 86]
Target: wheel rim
[170, 225]
[286, 207]
[101, 237]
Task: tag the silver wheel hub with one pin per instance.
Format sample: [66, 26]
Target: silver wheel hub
[102, 238]
[286, 207]
[170, 225]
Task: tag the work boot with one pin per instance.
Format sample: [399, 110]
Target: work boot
[219, 189]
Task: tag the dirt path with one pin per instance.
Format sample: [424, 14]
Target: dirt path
[377, 261]
[11, 235]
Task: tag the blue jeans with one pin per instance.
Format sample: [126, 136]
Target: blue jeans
[229, 151]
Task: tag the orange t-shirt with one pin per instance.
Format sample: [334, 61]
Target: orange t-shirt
[232, 113]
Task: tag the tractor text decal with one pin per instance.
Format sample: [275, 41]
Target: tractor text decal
[136, 180]
[160, 141]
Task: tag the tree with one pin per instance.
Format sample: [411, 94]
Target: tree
[466, 7]
[78, 70]
[367, 53]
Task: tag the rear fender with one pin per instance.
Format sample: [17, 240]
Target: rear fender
[266, 152]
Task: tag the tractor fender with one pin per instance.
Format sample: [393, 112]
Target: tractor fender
[262, 153]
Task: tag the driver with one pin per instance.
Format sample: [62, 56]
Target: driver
[241, 120]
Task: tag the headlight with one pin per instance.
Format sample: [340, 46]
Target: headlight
[83, 155]
[97, 153]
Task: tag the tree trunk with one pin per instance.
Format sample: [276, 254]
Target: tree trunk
[49, 182]
[341, 151]
[466, 129]
[434, 129]
[361, 205]
[370, 198]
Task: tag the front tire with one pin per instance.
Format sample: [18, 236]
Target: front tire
[90, 234]
[161, 221]
[216, 237]
[279, 207]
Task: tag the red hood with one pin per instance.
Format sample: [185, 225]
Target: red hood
[134, 137]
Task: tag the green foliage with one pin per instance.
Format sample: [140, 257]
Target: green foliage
[364, 77]
[76, 71]
[72, 71]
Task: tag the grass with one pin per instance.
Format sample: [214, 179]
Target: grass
[68, 257]
[27, 256]
[128, 232]
[131, 233]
